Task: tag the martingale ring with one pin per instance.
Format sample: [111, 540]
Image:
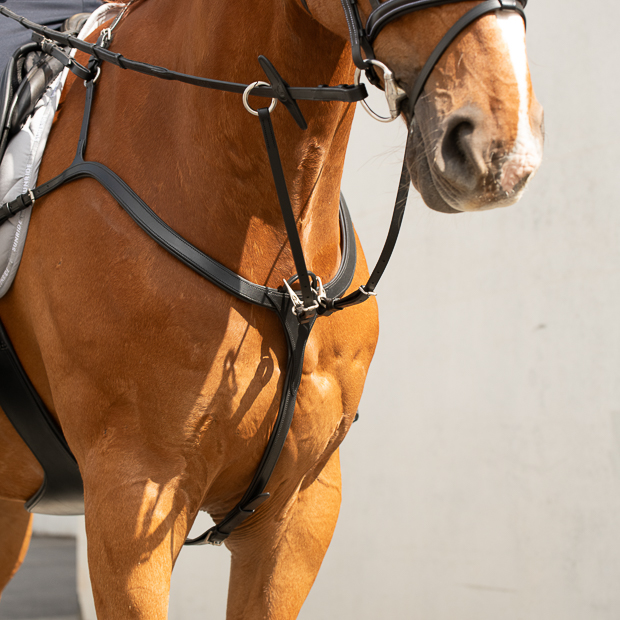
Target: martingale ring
[246, 94]
[394, 94]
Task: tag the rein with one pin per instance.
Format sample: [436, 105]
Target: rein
[297, 313]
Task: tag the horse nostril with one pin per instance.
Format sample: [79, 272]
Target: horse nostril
[456, 145]
[461, 149]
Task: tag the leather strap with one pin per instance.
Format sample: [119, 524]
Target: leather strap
[305, 5]
[285, 206]
[344, 92]
[65, 59]
[296, 332]
[297, 335]
[394, 9]
[471, 16]
[282, 90]
[62, 492]
[364, 292]
[357, 35]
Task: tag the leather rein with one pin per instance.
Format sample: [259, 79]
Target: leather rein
[297, 309]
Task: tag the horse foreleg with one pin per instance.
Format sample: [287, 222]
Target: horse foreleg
[275, 563]
[15, 531]
[134, 532]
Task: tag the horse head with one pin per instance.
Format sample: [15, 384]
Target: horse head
[476, 129]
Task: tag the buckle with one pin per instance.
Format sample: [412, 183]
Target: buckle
[320, 304]
[303, 313]
[105, 37]
[367, 293]
[208, 541]
[321, 296]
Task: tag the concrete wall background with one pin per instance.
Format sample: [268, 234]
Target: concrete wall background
[483, 479]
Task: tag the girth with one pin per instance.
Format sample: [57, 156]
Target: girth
[297, 313]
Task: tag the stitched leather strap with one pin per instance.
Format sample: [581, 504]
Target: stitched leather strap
[357, 35]
[394, 9]
[297, 337]
[363, 293]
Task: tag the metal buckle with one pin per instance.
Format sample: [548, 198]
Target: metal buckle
[215, 543]
[367, 293]
[321, 296]
[394, 94]
[299, 310]
[106, 37]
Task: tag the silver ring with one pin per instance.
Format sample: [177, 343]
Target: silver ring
[388, 77]
[95, 78]
[246, 94]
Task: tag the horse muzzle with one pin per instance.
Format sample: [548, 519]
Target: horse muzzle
[465, 161]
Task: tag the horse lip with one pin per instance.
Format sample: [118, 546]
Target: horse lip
[441, 206]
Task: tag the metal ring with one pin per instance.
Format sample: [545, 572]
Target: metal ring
[246, 94]
[95, 78]
[386, 73]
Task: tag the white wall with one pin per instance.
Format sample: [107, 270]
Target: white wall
[492, 411]
[50, 525]
[483, 479]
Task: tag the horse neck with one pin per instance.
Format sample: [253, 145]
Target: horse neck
[214, 148]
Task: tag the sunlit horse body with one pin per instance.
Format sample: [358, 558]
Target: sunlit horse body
[165, 386]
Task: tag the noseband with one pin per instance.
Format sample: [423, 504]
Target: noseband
[296, 315]
[383, 14]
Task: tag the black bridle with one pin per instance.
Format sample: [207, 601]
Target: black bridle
[362, 36]
[297, 313]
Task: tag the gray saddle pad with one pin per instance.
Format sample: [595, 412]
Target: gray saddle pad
[20, 165]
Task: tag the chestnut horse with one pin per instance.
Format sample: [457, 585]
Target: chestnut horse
[165, 386]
